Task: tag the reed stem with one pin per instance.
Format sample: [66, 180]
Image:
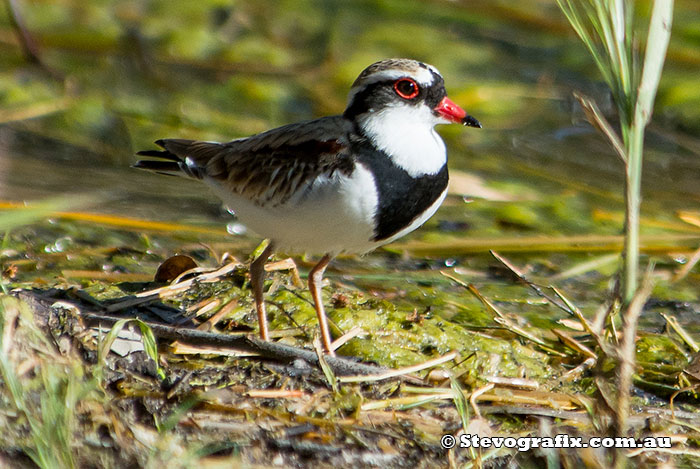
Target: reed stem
[607, 28]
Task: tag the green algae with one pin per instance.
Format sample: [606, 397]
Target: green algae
[136, 73]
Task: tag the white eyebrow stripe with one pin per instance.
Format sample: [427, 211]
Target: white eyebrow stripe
[424, 77]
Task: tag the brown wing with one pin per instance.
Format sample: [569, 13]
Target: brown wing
[266, 168]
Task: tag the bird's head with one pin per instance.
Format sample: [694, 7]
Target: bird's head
[404, 88]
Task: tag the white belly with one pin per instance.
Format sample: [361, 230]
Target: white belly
[335, 215]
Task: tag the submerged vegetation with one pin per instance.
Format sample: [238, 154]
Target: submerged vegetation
[498, 318]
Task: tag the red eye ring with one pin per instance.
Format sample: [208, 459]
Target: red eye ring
[407, 88]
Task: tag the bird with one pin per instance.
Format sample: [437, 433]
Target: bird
[347, 183]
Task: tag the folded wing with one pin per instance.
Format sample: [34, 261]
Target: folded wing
[266, 168]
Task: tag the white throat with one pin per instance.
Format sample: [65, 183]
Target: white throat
[408, 136]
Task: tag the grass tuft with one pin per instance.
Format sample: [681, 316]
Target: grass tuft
[610, 31]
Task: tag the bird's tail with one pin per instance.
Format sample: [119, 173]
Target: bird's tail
[173, 160]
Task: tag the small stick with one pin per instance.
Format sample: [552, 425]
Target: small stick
[343, 339]
[170, 290]
[276, 393]
[210, 323]
[574, 344]
[475, 395]
[244, 342]
[513, 382]
[537, 289]
[204, 307]
[286, 264]
[575, 372]
[500, 317]
[673, 323]
[400, 371]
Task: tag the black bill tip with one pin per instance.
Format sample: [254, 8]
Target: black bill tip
[470, 121]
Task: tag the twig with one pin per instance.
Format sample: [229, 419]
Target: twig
[673, 323]
[536, 288]
[475, 395]
[276, 393]
[500, 317]
[574, 344]
[400, 371]
[351, 334]
[248, 343]
[576, 372]
[512, 382]
[170, 290]
[210, 323]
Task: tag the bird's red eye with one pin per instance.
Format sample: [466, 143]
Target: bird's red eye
[406, 88]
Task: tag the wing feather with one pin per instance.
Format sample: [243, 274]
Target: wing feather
[265, 168]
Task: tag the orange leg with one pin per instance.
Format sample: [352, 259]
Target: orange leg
[315, 281]
[257, 278]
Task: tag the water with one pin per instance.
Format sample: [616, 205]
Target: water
[131, 74]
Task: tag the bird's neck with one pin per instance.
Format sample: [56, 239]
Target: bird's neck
[410, 141]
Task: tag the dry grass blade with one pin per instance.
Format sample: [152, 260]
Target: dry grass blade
[356, 331]
[536, 288]
[512, 382]
[585, 267]
[327, 371]
[20, 214]
[180, 348]
[406, 402]
[225, 310]
[276, 393]
[578, 371]
[148, 338]
[574, 344]
[406, 371]
[690, 217]
[687, 338]
[476, 394]
[205, 307]
[650, 222]
[113, 277]
[598, 120]
[56, 207]
[171, 290]
[500, 317]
